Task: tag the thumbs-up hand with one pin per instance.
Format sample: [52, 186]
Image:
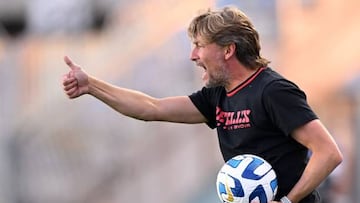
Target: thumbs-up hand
[76, 81]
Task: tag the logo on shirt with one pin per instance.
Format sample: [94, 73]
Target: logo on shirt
[233, 120]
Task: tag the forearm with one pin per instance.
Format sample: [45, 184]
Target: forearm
[125, 101]
[316, 171]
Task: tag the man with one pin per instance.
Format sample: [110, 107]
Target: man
[254, 109]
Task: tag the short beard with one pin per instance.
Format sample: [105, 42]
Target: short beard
[220, 78]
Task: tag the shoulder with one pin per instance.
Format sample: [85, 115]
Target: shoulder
[281, 90]
[271, 75]
[273, 81]
[268, 76]
[208, 92]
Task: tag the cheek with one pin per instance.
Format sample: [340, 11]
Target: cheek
[211, 57]
[217, 60]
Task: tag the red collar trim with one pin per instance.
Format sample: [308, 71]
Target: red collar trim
[246, 82]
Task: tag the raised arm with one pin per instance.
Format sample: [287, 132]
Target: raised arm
[129, 102]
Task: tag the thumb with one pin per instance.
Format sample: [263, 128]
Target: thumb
[70, 63]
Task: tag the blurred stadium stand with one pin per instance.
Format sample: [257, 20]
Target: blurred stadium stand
[61, 16]
[12, 17]
[56, 150]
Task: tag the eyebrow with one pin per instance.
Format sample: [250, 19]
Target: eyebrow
[198, 43]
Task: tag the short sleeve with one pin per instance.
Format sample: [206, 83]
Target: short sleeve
[205, 101]
[286, 105]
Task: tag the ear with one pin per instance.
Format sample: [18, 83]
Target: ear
[229, 50]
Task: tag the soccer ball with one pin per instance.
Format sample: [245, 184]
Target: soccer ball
[246, 179]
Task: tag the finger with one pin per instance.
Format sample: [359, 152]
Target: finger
[75, 94]
[71, 85]
[68, 81]
[71, 92]
[70, 63]
[66, 77]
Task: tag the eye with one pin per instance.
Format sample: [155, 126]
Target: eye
[198, 45]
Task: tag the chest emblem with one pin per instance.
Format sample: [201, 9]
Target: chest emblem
[233, 120]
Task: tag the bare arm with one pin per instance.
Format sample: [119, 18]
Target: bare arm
[324, 159]
[141, 106]
[128, 102]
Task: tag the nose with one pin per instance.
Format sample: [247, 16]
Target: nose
[194, 54]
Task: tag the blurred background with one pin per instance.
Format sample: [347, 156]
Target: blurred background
[57, 150]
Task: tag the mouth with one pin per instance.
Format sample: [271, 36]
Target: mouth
[201, 65]
[205, 74]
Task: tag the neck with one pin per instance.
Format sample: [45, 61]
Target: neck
[239, 76]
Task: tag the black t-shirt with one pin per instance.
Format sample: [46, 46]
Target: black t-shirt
[257, 118]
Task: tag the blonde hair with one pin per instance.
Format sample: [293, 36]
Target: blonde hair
[226, 26]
